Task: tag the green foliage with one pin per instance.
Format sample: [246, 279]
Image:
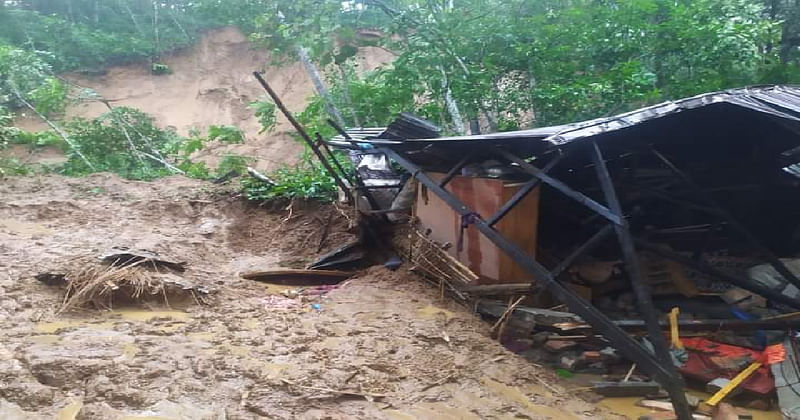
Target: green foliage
[50, 97]
[78, 35]
[197, 170]
[12, 166]
[26, 75]
[7, 131]
[159, 69]
[540, 62]
[120, 142]
[233, 163]
[226, 134]
[265, 110]
[304, 180]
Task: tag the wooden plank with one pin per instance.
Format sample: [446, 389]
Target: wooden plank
[291, 277]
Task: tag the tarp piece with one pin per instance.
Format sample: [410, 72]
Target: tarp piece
[709, 360]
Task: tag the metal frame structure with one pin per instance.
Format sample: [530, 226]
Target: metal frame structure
[658, 365]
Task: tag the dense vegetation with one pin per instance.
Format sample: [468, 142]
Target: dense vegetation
[464, 64]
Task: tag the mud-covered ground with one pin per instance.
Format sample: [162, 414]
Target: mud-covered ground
[383, 344]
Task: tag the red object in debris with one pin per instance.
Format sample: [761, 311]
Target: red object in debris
[709, 360]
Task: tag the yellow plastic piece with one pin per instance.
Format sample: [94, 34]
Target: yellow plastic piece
[722, 393]
[673, 328]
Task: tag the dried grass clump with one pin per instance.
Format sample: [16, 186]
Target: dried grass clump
[106, 285]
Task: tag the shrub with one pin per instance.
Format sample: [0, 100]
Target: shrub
[304, 180]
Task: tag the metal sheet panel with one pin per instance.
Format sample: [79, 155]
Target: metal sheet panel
[779, 101]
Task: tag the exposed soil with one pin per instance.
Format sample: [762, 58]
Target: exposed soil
[211, 84]
[382, 345]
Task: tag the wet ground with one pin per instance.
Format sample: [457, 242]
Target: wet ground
[383, 345]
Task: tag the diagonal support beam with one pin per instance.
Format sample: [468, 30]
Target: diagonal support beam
[776, 263]
[523, 192]
[640, 289]
[304, 135]
[560, 186]
[454, 171]
[600, 323]
[587, 246]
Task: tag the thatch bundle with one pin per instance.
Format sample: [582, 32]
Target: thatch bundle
[89, 282]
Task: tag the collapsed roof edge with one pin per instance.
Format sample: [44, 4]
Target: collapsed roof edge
[782, 101]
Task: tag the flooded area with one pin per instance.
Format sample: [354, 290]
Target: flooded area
[382, 345]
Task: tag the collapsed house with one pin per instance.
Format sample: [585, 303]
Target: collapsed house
[689, 206]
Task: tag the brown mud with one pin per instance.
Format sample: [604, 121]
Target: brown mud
[382, 345]
[211, 84]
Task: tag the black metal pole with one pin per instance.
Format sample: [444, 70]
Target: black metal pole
[587, 246]
[323, 146]
[304, 135]
[523, 192]
[454, 171]
[641, 289]
[560, 186]
[624, 343]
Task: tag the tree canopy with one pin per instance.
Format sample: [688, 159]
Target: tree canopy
[487, 64]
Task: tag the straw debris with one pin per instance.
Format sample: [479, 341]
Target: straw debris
[89, 283]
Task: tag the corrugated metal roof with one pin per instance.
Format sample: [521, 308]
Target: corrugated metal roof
[780, 101]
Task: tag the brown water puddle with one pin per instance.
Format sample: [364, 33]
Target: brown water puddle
[430, 312]
[627, 407]
[70, 412]
[276, 289]
[432, 411]
[19, 227]
[109, 318]
[44, 339]
[515, 395]
[144, 315]
[50, 327]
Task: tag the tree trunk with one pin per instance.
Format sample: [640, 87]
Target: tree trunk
[319, 85]
[452, 106]
[155, 29]
[70, 15]
[52, 125]
[124, 4]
